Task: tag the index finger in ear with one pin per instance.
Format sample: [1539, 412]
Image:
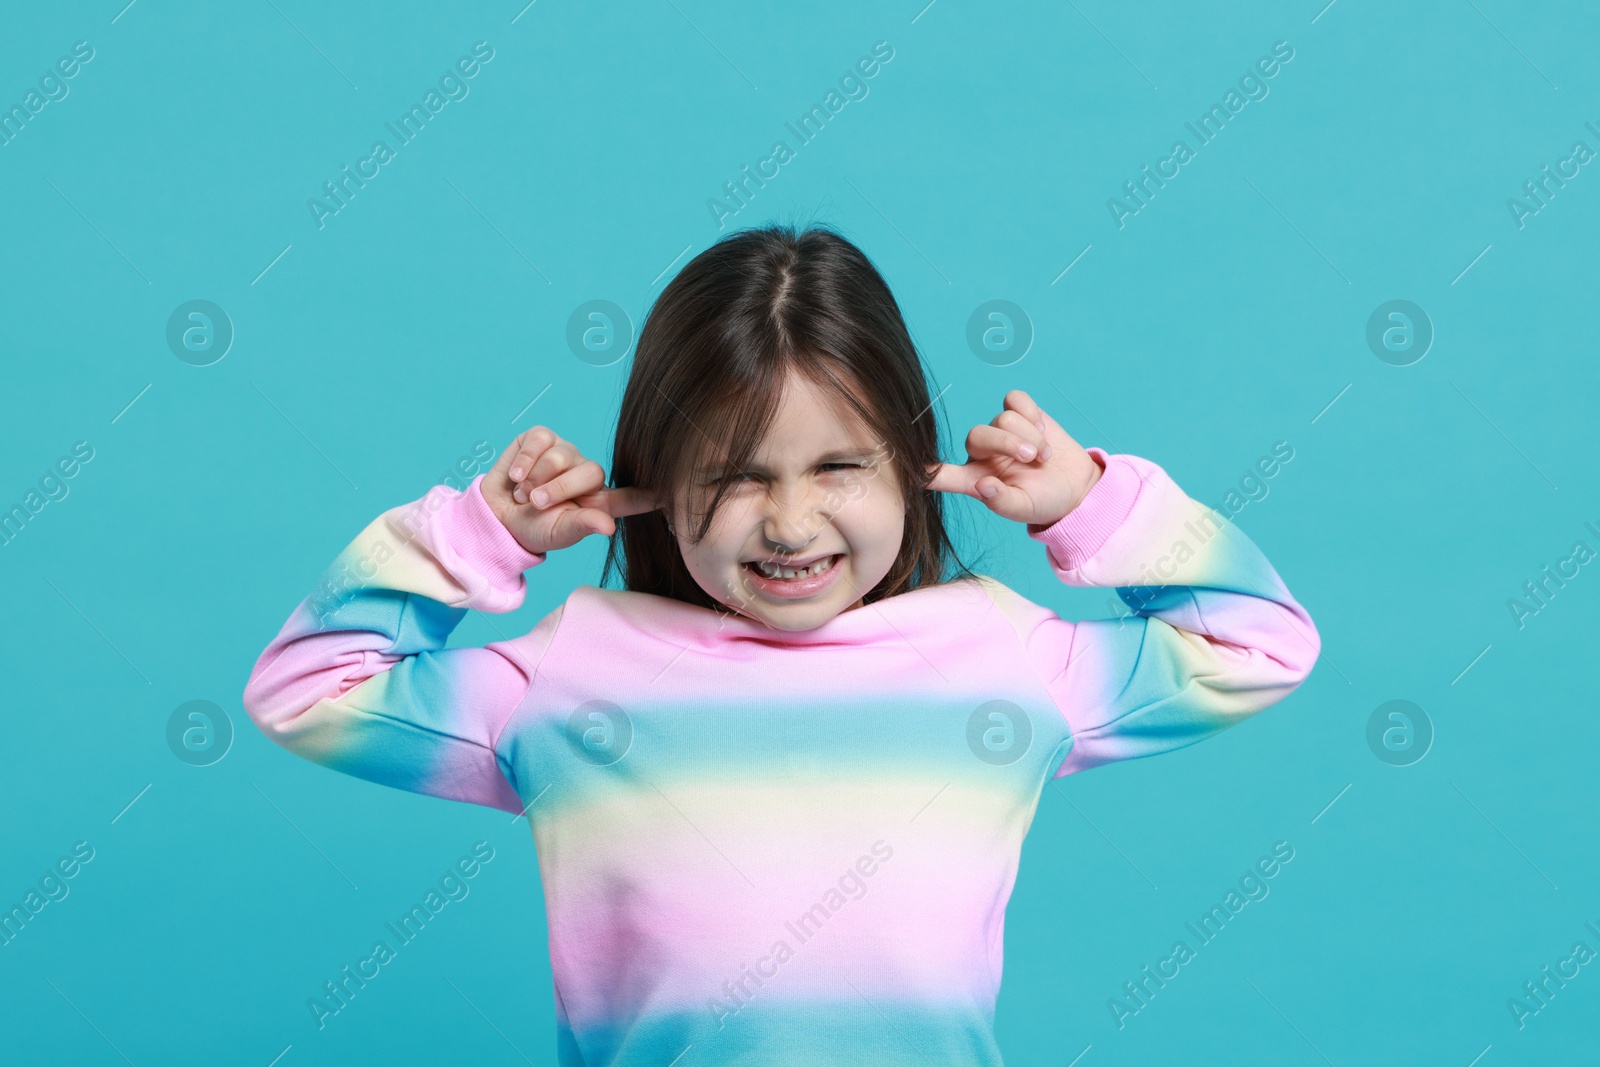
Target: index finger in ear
[626, 500]
[953, 478]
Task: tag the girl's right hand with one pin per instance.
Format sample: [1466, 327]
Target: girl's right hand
[541, 466]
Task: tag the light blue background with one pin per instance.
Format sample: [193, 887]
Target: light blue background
[1226, 316]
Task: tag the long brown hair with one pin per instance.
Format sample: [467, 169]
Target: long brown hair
[713, 355]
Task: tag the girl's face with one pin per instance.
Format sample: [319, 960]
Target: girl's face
[818, 491]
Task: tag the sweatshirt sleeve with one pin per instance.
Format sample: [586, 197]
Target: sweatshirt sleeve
[1212, 636]
[359, 679]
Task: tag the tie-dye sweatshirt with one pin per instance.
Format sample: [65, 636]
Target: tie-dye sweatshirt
[773, 847]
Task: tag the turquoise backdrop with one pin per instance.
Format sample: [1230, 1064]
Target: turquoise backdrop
[1201, 308]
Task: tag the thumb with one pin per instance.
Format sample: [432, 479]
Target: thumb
[574, 524]
[595, 521]
[1004, 500]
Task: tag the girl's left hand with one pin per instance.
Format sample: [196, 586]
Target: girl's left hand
[1022, 465]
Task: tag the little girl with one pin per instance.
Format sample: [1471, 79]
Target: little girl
[778, 784]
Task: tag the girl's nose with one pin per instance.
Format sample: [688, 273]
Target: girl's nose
[792, 521]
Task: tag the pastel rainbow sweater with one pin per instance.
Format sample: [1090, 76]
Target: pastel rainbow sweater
[768, 847]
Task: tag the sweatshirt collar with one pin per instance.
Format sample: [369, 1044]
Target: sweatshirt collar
[923, 617]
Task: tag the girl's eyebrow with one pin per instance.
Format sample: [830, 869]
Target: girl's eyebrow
[827, 457]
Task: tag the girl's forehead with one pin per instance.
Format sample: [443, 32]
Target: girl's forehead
[815, 414]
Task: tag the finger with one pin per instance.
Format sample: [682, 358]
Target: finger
[972, 480]
[559, 458]
[956, 478]
[529, 445]
[1018, 423]
[984, 442]
[574, 524]
[1020, 402]
[1041, 418]
[594, 521]
[586, 477]
[1004, 500]
[619, 502]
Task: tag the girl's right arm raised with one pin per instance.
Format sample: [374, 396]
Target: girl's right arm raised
[359, 680]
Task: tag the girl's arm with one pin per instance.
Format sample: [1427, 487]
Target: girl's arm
[359, 679]
[1213, 638]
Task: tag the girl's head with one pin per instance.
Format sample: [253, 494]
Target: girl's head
[779, 412]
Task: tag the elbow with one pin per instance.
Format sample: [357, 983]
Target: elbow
[1297, 651]
[263, 701]
[291, 677]
[1310, 650]
[270, 697]
[1276, 666]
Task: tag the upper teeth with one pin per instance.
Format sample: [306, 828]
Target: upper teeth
[772, 570]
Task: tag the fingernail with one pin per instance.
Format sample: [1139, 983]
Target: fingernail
[519, 495]
[1047, 451]
[540, 497]
[1026, 451]
[986, 489]
[516, 474]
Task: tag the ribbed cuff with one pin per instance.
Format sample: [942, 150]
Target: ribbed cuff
[477, 535]
[1081, 532]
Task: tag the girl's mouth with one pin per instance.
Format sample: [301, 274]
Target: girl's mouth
[806, 581]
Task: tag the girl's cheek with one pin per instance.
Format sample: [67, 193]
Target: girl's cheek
[729, 531]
